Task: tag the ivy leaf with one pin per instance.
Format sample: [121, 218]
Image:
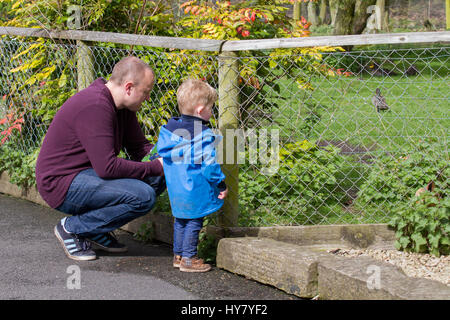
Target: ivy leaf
[419, 241]
[434, 240]
[445, 241]
[404, 241]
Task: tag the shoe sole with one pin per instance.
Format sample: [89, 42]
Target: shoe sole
[194, 270]
[85, 258]
[98, 246]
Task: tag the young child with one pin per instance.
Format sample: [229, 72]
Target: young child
[195, 182]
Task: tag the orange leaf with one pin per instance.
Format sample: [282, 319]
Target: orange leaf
[186, 4]
[17, 126]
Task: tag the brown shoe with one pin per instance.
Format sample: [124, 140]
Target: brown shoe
[176, 261]
[194, 264]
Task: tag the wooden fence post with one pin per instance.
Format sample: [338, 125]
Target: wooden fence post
[447, 13]
[229, 121]
[85, 65]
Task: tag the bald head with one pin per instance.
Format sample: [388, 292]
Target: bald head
[130, 83]
[130, 68]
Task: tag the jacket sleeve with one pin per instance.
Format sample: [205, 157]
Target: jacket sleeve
[210, 168]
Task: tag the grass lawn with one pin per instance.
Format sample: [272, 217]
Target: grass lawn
[419, 105]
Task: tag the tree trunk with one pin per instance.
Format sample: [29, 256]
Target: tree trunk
[312, 13]
[333, 11]
[361, 15]
[323, 12]
[303, 8]
[344, 17]
[387, 10]
[381, 4]
[175, 5]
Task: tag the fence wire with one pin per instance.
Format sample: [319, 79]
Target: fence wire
[328, 137]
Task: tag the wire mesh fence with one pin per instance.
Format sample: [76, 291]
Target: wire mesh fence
[320, 135]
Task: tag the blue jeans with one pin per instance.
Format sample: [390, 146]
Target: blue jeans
[185, 236]
[98, 205]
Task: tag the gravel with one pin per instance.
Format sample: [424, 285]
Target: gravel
[417, 265]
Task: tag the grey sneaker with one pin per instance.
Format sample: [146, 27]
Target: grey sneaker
[75, 247]
[107, 242]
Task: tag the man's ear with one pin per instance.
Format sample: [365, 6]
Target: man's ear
[128, 85]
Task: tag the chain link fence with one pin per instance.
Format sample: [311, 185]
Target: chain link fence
[322, 136]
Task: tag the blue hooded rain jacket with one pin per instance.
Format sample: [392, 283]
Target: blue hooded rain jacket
[192, 172]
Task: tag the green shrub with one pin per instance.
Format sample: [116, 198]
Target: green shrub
[207, 244]
[395, 179]
[301, 191]
[145, 233]
[422, 224]
[19, 165]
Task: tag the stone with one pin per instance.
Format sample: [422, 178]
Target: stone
[286, 266]
[363, 278]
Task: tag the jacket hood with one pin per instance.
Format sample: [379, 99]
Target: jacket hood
[179, 147]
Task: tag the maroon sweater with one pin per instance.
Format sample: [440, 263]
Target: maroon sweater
[88, 132]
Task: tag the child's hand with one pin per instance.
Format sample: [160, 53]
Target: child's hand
[223, 194]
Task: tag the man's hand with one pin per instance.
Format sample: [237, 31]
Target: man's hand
[160, 160]
[223, 194]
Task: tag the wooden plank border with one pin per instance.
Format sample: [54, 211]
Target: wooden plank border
[122, 38]
[350, 40]
[240, 45]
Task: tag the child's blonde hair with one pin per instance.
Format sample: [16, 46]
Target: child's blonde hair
[194, 92]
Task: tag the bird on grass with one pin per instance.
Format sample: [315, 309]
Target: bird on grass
[378, 101]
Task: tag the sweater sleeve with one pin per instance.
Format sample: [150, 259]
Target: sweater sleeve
[95, 128]
[134, 139]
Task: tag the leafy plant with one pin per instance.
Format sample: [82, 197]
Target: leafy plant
[395, 178]
[313, 117]
[422, 224]
[11, 123]
[145, 233]
[304, 184]
[207, 246]
[19, 165]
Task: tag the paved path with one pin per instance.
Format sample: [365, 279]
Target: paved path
[34, 266]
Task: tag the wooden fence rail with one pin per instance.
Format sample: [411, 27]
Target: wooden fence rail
[240, 45]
